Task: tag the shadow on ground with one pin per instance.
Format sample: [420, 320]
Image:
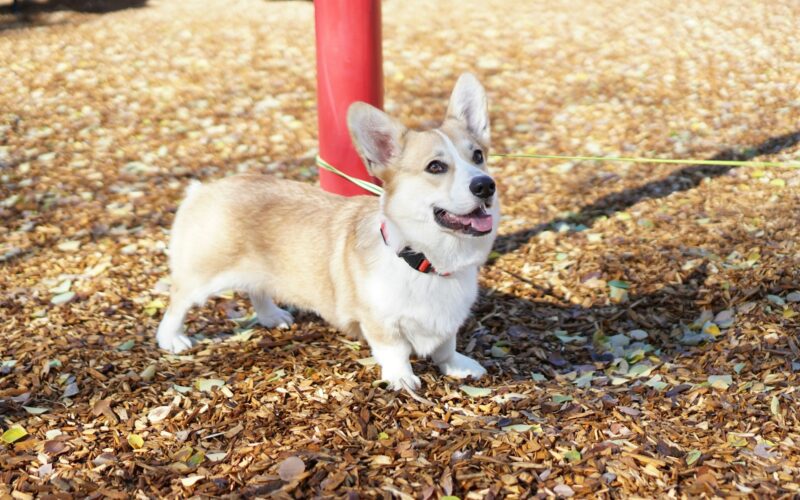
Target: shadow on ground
[680, 180]
[89, 6]
[31, 13]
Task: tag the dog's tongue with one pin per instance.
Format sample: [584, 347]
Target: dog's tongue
[479, 220]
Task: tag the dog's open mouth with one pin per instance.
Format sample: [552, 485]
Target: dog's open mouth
[476, 223]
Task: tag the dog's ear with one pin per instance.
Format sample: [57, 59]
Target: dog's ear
[376, 136]
[468, 105]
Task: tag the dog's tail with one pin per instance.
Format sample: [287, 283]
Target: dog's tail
[192, 189]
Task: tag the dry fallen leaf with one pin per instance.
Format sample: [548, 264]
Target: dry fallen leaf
[104, 458]
[106, 117]
[103, 407]
[563, 491]
[158, 414]
[290, 468]
[54, 448]
[191, 480]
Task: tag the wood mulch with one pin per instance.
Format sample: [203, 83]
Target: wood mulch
[639, 323]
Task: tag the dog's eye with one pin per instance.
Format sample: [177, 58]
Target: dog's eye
[436, 167]
[477, 157]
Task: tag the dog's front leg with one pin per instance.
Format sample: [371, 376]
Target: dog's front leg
[393, 353]
[455, 364]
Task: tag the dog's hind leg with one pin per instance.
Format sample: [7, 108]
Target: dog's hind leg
[455, 364]
[270, 315]
[170, 334]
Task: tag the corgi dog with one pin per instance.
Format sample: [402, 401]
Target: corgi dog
[399, 270]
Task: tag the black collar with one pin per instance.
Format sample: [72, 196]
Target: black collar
[416, 260]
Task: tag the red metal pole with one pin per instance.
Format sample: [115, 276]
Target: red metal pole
[349, 68]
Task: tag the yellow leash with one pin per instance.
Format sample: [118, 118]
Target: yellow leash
[372, 188]
[727, 163]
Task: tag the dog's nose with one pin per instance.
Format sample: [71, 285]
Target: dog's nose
[482, 186]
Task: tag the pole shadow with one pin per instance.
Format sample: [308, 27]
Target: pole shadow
[682, 179]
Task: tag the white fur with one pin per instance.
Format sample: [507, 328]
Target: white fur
[423, 312]
[424, 309]
[170, 335]
[455, 364]
[426, 314]
[447, 252]
[460, 199]
[409, 312]
[468, 103]
[270, 315]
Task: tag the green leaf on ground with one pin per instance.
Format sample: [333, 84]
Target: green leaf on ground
[693, 456]
[475, 392]
[584, 380]
[62, 298]
[500, 349]
[154, 306]
[656, 383]
[778, 301]
[351, 344]
[736, 441]
[720, 381]
[370, 361]
[538, 377]
[640, 370]
[35, 410]
[566, 339]
[618, 290]
[126, 346]
[775, 406]
[196, 459]
[535, 428]
[135, 441]
[13, 434]
[207, 384]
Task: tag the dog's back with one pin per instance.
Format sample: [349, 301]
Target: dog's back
[252, 232]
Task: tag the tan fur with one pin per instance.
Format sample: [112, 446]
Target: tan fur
[313, 244]
[292, 243]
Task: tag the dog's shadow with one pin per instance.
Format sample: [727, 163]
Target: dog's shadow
[528, 327]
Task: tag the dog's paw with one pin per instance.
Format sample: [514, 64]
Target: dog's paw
[401, 381]
[460, 366]
[276, 318]
[173, 342]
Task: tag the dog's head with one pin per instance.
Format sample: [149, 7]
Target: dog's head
[434, 180]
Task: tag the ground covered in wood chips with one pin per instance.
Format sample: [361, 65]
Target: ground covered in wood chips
[639, 322]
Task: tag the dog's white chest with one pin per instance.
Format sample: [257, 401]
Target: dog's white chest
[425, 309]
